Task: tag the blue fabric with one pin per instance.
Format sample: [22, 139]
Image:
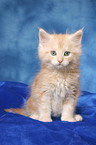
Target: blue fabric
[19, 22]
[16, 129]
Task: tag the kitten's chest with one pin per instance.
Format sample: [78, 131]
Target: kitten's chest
[60, 88]
[59, 92]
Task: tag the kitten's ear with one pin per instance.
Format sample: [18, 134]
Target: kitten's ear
[77, 36]
[43, 35]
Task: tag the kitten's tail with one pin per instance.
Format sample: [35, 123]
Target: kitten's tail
[19, 111]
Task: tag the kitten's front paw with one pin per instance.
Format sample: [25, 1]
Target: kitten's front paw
[69, 119]
[45, 119]
[76, 118]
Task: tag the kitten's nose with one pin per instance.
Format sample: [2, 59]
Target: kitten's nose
[60, 61]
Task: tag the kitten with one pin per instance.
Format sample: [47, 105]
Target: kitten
[55, 89]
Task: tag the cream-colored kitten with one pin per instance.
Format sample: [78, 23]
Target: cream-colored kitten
[56, 87]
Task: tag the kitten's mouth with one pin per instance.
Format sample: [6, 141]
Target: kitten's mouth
[59, 65]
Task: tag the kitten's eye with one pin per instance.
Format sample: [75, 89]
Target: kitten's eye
[67, 53]
[53, 53]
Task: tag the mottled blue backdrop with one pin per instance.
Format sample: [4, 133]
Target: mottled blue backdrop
[19, 22]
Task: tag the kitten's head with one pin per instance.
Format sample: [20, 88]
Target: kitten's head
[59, 50]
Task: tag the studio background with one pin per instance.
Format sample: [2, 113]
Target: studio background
[19, 22]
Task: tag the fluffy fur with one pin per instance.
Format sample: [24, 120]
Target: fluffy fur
[56, 87]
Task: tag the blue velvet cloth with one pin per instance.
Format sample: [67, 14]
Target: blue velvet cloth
[16, 129]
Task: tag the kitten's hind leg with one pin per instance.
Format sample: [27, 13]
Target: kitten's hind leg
[78, 117]
[34, 116]
[32, 108]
